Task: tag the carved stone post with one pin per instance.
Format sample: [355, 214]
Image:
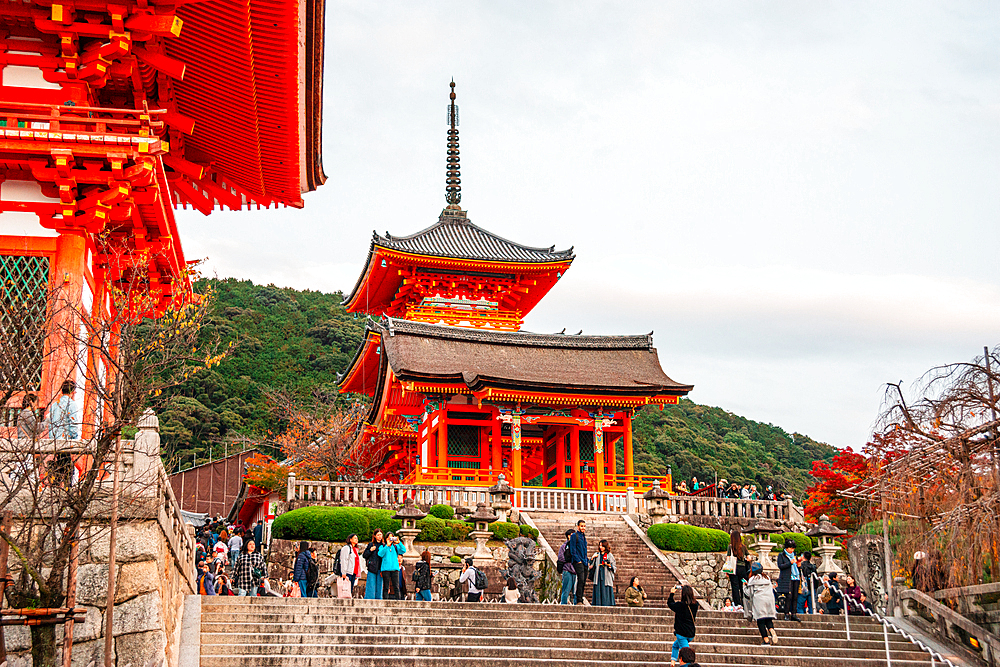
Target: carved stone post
[762, 544]
[482, 517]
[825, 532]
[656, 499]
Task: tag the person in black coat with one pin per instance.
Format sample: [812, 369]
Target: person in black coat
[738, 549]
[789, 578]
[685, 612]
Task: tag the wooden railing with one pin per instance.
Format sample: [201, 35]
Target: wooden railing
[530, 498]
[452, 476]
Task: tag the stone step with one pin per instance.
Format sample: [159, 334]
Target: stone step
[341, 634]
[487, 621]
[473, 649]
[661, 659]
[293, 632]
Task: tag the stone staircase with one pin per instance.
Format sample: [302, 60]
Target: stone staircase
[297, 632]
[632, 556]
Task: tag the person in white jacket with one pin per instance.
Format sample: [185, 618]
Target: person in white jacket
[758, 603]
[352, 565]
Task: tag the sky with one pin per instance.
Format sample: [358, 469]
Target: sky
[800, 199]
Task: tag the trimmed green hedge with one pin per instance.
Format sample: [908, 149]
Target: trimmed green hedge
[442, 512]
[455, 559]
[332, 524]
[678, 537]
[460, 530]
[528, 531]
[504, 530]
[803, 542]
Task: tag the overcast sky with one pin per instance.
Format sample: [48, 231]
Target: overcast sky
[799, 199]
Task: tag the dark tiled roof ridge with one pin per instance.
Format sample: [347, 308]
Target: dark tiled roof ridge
[393, 326]
[456, 236]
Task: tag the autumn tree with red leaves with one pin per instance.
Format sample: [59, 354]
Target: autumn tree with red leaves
[265, 473]
[845, 470]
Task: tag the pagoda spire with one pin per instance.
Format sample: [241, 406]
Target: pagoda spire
[453, 182]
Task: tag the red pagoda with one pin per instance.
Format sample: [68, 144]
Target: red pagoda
[114, 112]
[460, 393]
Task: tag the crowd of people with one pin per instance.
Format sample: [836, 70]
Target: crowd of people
[726, 489]
[229, 561]
[763, 600]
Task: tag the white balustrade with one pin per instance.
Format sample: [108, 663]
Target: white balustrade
[530, 499]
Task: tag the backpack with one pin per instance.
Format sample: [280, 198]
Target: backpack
[336, 565]
[312, 572]
[480, 580]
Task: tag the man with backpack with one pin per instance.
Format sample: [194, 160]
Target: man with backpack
[476, 579]
[564, 566]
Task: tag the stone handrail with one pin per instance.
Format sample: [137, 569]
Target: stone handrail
[178, 533]
[945, 619]
[966, 591]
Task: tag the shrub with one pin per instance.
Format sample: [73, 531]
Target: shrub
[442, 512]
[678, 537]
[528, 531]
[331, 524]
[802, 542]
[504, 530]
[460, 530]
[455, 559]
[433, 529]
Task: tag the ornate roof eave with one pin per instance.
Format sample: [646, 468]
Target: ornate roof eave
[371, 331]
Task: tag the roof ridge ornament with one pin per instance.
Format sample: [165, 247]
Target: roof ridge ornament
[453, 181]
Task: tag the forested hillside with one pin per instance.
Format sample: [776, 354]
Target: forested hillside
[704, 441]
[285, 338]
[299, 340]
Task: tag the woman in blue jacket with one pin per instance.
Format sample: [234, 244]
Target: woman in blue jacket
[301, 572]
[390, 553]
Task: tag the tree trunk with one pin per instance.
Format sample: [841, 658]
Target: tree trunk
[43, 645]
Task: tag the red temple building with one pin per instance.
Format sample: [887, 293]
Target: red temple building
[114, 113]
[460, 394]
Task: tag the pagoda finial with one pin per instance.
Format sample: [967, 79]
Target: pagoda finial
[453, 191]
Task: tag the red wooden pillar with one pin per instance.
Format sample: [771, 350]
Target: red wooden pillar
[574, 450]
[611, 459]
[442, 426]
[496, 442]
[629, 465]
[66, 279]
[561, 455]
[515, 448]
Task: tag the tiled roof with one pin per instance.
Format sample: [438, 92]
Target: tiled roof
[391, 326]
[455, 236]
[621, 365]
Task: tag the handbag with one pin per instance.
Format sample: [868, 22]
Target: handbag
[729, 567]
[343, 587]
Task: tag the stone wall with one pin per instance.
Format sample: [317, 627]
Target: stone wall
[149, 592]
[704, 571]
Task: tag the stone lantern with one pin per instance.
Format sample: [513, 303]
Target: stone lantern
[825, 531]
[762, 544]
[482, 517]
[500, 496]
[656, 502]
[409, 515]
